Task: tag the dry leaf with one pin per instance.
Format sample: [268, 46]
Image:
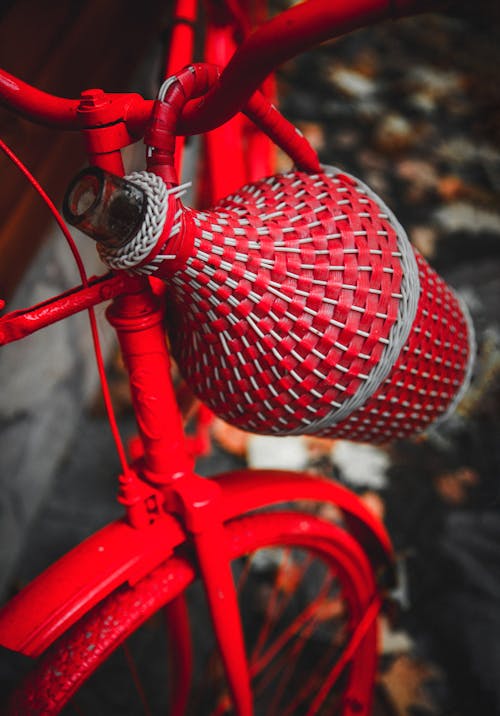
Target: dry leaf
[314, 134]
[453, 487]
[318, 447]
[374, 503]
[231, 439]
[405, 684]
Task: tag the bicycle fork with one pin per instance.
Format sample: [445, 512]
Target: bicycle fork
[164, 481]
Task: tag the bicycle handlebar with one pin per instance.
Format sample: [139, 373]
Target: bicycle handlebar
[291, 32]
[36, 105]
[296, 30]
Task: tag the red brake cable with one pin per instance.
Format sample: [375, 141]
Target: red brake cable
[84, 279]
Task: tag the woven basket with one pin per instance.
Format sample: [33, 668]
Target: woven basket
[299, 306]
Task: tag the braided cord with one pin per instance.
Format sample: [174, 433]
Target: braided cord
[135, 251]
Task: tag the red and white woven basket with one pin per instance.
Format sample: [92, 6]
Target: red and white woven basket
[299, 306]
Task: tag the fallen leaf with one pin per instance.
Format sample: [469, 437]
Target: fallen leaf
[424, 239]
[231, 439]
[453, 486]
[418, 172]
[451, 187]
[394, 133]
[374, 503]
[405, 684]
[350, 82]
[314, 134]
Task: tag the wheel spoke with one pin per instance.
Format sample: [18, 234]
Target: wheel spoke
[272, 611]
[291, 630]
[297, 649]
[136, 679]
[318, 619]
[360, 632]
[311, 686]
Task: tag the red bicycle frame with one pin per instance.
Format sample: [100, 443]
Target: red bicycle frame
[162, 483]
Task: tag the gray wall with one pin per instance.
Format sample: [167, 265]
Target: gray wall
[46, 381]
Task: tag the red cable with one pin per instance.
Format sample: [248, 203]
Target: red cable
[83, 276]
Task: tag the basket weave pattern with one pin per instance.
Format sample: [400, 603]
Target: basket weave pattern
[429, 374]
[302, 308]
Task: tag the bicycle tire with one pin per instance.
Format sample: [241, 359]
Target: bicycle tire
[74, 658]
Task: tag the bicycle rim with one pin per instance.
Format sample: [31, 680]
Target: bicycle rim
[308, 609]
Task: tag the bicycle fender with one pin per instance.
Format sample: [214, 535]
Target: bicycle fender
[245, 490]
[118, 553]
[59, 596]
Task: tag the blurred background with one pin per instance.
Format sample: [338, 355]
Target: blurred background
[413, 109]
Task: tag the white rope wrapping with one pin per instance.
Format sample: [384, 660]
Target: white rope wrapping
[136, 250]
[410, 293]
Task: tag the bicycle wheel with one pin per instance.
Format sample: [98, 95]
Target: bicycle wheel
[308, 603]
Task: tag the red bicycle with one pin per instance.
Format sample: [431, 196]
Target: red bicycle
[295, 304]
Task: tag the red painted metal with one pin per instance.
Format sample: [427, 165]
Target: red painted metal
[73, 114]
[181, 53]
[181, 47]
[283, 37]
[261, 151]
[195, 81]
[348, 562]
[19, 324]
[36, 105]
[288, 34]
[246, 490]
[58, 676]
[214, 559]
[252, 152]
[356, 699]
[228, 140]
[120, 553]
[65, 591]
[198, 502]
[284, 134]
[138, 320]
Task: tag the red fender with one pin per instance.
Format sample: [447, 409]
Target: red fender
[118, 553]
[246, 490]
[64, 592]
